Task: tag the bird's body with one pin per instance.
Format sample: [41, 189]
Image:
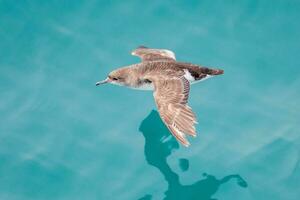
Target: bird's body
[139, 72]
[170, 80]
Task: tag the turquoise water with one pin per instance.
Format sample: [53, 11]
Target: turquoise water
[63, 138]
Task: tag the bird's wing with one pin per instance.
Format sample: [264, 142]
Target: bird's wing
[171, 96]
[148, 54]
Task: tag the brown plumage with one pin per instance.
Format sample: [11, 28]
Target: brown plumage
[170, 81]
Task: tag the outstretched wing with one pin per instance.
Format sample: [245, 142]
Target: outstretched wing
[171, 96]
[148, 54]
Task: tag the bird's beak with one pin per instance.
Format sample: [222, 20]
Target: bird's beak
[107, 80]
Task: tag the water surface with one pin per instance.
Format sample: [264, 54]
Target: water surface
[63, 138]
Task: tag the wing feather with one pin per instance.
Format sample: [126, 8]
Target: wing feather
[171, 96]
[148, 54]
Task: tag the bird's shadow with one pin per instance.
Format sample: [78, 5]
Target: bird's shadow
[158, 146]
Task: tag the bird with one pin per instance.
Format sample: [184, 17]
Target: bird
[170, 82]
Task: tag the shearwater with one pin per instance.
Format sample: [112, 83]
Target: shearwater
[170, 80]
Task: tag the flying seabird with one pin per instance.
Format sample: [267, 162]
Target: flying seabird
[170, 80]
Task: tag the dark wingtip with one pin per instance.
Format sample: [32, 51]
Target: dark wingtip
[142, 47]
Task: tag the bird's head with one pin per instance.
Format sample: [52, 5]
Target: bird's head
[117, 77]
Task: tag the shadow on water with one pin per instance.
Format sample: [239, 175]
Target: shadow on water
[158, 146]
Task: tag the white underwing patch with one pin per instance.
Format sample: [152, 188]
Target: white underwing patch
[188, 75]
[203, 79]
[191, 79]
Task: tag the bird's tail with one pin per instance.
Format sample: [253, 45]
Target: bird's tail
[217, 71]
[210, 71]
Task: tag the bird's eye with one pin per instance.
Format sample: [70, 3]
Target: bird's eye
[115, 79]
